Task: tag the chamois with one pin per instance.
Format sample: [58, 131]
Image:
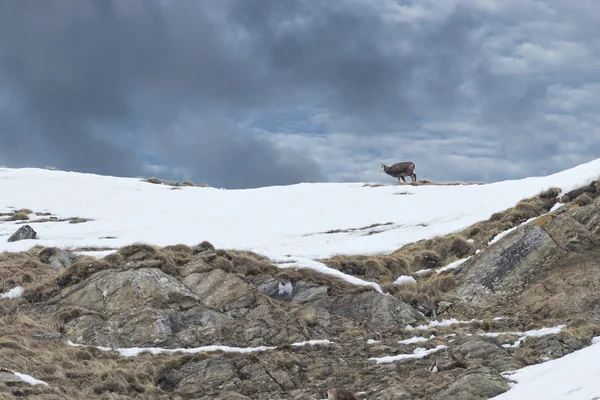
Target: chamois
[400, 170]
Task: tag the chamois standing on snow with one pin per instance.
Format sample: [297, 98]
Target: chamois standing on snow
[400, 170]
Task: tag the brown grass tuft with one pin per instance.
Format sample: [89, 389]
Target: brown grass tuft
[155, 181]
[583, 199]
[18, 216]
[245, 263]
[426, 294]
[550, 193]
[426, 259]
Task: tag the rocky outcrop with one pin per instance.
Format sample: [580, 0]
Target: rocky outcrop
[531, 254]
[477, 384]
[372, 309]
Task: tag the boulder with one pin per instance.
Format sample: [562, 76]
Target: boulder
[57, 258]
[477, 384]
[23, 233]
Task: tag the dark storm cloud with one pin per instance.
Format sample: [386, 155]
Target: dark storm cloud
[113, 86]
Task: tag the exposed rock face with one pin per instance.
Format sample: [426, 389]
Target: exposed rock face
[220, 290]
[477, 384]
[528, 255]
[298, 292]
[57, 258]
[23, 233]
[371, 308]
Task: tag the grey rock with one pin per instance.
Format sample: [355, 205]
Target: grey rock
[196, 265]
[371, 308]
[205, 250]
[57, 258]
[478, 384]
[8, 377]
[508, 264]
[193, 378]
[484, 350]
[23, 233]
[221, 290]
[298, 292]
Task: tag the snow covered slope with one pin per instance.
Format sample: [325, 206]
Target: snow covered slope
[575, 376]
[274, 221]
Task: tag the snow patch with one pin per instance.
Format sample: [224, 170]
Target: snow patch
[301, 262]
[452, 265]
[416, 339]
[313, 342]
[574, 376]
[434, 324]
[13, 293]
[29, 379]
[417, 353]
[404, 279]
[523, 335]
[134, 351]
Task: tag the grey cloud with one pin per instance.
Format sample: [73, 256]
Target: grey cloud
[113, 86]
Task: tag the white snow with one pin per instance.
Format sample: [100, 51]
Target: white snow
[29, 379]
[533, 333]
[506, 232]
[313, 342]
[435, 323]
[13, 293]
[452, 265]
[574, 377]
[95, 253]
[404, 279]
[556, 206]
[275, 221]
[372, 341]
[134, 351]
[416, 339]
[417, 353]
[301, 262]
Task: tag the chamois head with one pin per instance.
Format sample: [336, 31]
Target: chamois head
[382, 169]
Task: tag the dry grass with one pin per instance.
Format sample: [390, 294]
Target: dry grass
[426, 294]
[369, 266]
[364, 228]
[373, 185]
[155, 181]
[591, 190]
[174, 184]
[18, 216]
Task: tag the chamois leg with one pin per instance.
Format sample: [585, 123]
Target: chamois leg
[414, 177]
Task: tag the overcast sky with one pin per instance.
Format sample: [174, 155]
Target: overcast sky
[247, 93]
